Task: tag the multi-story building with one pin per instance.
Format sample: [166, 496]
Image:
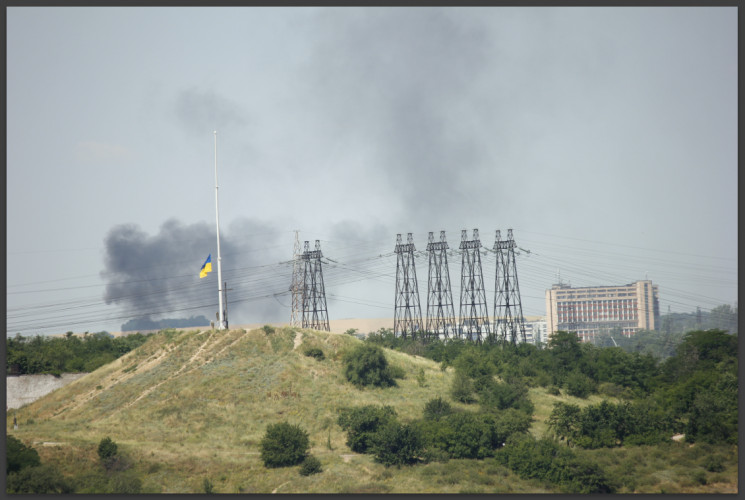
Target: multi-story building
[592, 310]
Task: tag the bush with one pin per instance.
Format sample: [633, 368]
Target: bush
[462, 435]
[495, 395]
[714, 463]
[362, 423]
[107, 450]
[125, 483]
[421, 379]
[284, 445]
[315, 352]
[311, 465]
[437, 408]
[19, 455]
[38, 479]
[397, 444]
[207, 486]
[579, 385]
[366, 365]
[462, 388]
[550, 462]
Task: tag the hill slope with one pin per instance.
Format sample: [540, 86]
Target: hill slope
[198, 403]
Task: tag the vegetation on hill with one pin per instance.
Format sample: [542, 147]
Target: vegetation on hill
[68, 354]
[189, 411]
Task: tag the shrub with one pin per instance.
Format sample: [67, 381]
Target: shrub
[125, 483]
[284, 445]
[396, 444]
[714, 463]
[700, 477]
[495, 395]
[437, 408]
[107, 449]
[19, 455]
[362, 423]
[311, 465]
[462, 388]
[315, 352]
[550, 462]
[207, 486]
[462, 435]
[366, 365]
[579, 384]
[421, 380]
[38, 479]
[268, 329]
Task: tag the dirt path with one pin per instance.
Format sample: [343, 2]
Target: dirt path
[298, 340]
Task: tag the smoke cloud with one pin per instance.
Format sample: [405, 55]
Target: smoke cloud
[158, 275]
[413, 84]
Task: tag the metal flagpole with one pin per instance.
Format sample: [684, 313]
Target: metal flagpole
[221, 320]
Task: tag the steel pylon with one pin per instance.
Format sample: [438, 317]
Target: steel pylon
[407, 314]
[508, 309]
[474, 313]
[315, 315]
[296, 287]
[440, 309]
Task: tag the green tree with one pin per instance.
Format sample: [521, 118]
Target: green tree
[107, 448]
[362, 422]
[367, 365]
[565, 350]
[578, 384]
[19, 456]
[284, 445]
[462, 388]
[397, 444]
[437, 408]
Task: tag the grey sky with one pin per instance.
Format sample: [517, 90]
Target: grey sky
[605, 137]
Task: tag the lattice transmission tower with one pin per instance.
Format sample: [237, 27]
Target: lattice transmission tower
[407, 315]
[440, 309]
[474, 313]
[508, 308]
[315, 315]
[296, 287]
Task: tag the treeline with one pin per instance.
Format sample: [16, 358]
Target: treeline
[68, 354]
[694, 392]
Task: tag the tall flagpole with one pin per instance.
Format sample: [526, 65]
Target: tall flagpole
[221, 323]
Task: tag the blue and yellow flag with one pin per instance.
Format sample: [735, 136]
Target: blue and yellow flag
[206, 267]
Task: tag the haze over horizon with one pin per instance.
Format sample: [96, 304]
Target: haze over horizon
[605, 137]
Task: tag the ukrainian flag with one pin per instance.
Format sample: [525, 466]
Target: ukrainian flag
[206, 267]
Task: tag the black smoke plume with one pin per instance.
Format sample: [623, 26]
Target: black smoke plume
[158, 276]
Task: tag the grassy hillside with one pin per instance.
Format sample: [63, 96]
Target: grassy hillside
[193, 405]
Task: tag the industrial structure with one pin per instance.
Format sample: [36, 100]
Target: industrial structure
[440, 310]
[508, 309]
[591, 311]
[407, 317]
[296, 287]
[315, 315]
[474, 314]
